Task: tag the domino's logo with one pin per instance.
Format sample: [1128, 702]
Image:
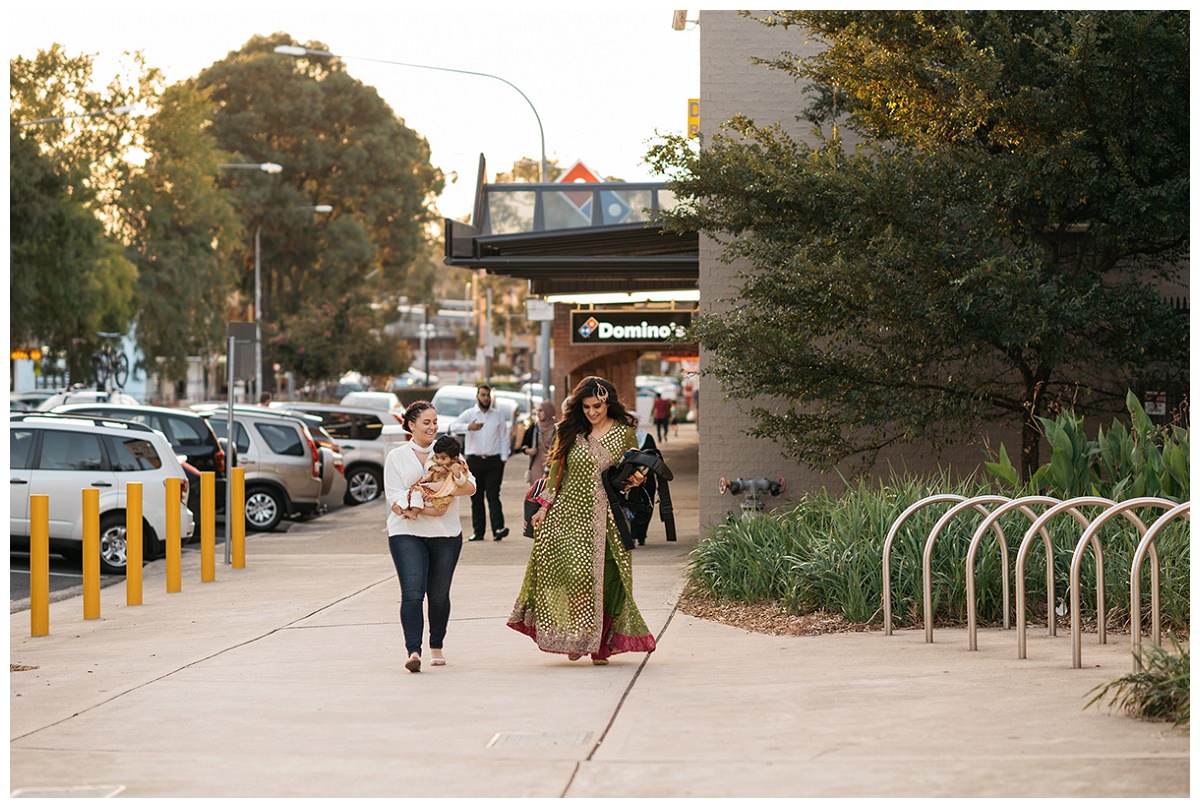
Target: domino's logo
[589, 327]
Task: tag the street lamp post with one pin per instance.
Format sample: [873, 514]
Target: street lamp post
[296, 50]
[258, 318]
[266, 168]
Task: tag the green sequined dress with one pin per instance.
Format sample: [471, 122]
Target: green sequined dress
[577, 596]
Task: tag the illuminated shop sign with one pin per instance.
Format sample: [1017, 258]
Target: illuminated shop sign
[615, 327]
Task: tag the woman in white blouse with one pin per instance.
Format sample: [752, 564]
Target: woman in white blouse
[424, 544]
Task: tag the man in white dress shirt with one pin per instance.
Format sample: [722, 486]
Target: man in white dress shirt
[487, 447]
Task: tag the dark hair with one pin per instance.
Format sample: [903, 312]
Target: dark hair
[574, 423]
[447, 445]
[487, 387]
[412, 411]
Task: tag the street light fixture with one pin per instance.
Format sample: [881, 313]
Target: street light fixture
[123, 110]
[296, 50]
[266, 168]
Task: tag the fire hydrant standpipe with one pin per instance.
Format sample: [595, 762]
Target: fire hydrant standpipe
[753, 489]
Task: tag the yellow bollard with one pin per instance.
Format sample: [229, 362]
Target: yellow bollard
[133, 544]
[39, 565]
[208, 525]
[238, 525]
[174, 543]
[91, 553]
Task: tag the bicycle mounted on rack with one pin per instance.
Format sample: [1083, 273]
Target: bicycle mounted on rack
[110, 363]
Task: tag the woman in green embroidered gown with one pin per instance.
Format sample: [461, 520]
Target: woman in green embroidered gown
[577, 596]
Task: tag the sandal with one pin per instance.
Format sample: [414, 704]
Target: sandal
[414, 663]
[574, 657]
[437, 661]
[599, 661]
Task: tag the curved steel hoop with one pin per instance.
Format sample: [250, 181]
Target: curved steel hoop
[887, 550]
[1021, 505]
[1135, 584]
[927, 558]
[1091, 534]
[1070, 506]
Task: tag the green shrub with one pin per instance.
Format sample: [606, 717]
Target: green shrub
[1159, 692]
[826, 554]
[1141, 460]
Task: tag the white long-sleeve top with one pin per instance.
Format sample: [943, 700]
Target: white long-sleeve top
[400, 471]
[492, 439]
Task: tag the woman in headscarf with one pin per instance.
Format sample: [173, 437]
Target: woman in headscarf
[538, 440]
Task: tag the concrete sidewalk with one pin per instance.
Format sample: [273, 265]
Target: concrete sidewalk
[284, 680]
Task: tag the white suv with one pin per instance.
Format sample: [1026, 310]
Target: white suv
[61, 455]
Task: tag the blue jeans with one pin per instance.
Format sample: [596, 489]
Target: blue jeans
[425, 568]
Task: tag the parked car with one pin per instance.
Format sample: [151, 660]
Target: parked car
[80, 396]
[60, 455]
[189, 433]
[359, 431]
[284, 473]
[27, 400]
[373, 399]
[527, 405]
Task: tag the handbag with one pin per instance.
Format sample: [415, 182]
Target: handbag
[533, 500]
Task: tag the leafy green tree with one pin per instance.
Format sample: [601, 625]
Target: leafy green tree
[67, 278]
[993, 248]
[90, 130]
[311, 342]
[339, 145]
[181, 229]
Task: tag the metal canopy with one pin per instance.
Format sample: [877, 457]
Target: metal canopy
[575, 237]
[631, 257]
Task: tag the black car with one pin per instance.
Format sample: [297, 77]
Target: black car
[189, 433]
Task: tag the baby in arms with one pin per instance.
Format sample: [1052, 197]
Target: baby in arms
[445, 470]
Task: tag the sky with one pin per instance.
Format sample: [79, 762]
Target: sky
[603, 78]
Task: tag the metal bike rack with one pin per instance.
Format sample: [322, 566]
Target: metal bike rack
[1070, 506]
[1021, 505]
[1090, 535]
[887, 550]
[1135, 584]
[927, 557]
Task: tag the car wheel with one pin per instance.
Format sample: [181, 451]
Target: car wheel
[363, 484]
[112, 544]
[264, 509]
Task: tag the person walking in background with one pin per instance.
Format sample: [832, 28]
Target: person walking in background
[538, 439]
[424, 543]
[577, 594]
[661, 413]
[487, 448]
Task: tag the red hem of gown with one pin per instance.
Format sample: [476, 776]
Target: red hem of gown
[618, 643]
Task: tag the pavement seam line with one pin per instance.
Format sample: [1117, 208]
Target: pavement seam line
[617, 711]
[214, 655]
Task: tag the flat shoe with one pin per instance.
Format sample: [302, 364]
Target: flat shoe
[413, 664]
[574, 657]
[599, 661]
[437, 661]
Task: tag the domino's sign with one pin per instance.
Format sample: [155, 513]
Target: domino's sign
[619, 327]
